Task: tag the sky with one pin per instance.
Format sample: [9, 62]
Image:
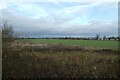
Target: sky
[61, 19]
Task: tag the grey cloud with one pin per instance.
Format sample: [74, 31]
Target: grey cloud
[45, 26]
[57, 25]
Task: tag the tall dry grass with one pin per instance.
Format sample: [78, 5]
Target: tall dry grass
[60, 64]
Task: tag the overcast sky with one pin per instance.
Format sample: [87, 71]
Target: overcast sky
[47, 19]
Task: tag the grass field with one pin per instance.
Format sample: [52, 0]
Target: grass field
[27, 62]
[90, 43]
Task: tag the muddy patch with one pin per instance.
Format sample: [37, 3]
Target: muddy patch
[54, 47]
[45, 47]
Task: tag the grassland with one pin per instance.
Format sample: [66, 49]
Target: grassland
[88, 43]
[84, 63]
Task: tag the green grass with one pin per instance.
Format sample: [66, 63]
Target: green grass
[90, 43]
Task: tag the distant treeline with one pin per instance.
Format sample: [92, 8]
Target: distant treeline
[79, 38]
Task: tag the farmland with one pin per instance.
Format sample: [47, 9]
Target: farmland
[88, 43]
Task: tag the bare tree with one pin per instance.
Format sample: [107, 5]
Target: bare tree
[7, 32]
[97, 37]
[104, 37]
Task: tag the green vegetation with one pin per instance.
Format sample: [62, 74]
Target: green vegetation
[90, 43]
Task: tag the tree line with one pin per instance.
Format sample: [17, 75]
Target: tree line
[78, 38]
